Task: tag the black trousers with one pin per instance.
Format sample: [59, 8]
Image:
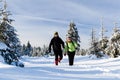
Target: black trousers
[71, 56]
[58, 54]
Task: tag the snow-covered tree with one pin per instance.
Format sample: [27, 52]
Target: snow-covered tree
[36, 51]
[98, 46]
[93, 43]
[7, 31]
[23, 50]
[44, 50]
[95, 49]
[113, 49]
[28, 49]
[83, 52]
[73, 33]
[104, 40]
[8, 36]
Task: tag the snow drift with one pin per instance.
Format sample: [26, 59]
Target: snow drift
[41, 68]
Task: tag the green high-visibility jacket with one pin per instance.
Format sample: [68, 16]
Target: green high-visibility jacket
[70, 46]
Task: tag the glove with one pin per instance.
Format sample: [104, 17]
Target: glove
[49, 50]
[76, 48]
[65, 54]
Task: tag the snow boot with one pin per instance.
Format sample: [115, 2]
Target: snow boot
[56, 62]
[59, 59]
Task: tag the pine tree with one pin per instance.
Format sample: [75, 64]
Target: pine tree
[2, 33]
[113, 49]
[29, 49]
[35, 53]
[23, 50]
[8, 36]
[104, 41]
[39, 51]
[8, 33]
[73, 33]
[95, 46]
[94, 43]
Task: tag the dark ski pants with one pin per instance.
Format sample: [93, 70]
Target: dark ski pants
[58, 55]
[71, 56]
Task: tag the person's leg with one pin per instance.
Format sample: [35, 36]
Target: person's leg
[60, 56]
[56, 57]
[71, 58]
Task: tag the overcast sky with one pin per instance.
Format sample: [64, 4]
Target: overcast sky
[37, 20]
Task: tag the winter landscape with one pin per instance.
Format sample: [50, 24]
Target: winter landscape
[28, 27]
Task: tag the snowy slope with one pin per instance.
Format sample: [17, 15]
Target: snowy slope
[42, 68]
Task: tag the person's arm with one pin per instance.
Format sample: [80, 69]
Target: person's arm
[66, 49]
[51, 43]
[76, 45]
[62, 43]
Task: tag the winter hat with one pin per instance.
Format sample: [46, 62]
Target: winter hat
[68, 36]
[56, 33]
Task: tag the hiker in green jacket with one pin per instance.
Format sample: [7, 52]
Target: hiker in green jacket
[70, 49]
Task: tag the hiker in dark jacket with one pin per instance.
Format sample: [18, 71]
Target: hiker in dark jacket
[57, 44]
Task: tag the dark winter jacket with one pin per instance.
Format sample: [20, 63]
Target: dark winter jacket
[56, 43]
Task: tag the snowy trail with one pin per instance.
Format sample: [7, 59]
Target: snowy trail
[41, 68]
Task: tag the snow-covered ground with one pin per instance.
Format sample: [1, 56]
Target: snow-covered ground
[42, 68]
